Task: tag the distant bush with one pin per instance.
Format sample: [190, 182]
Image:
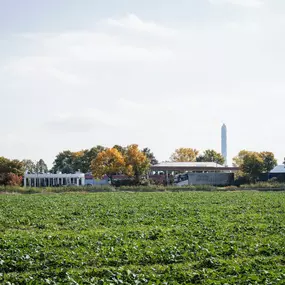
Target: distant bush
[131, 182]
[152, 188]
[63, 189]
[157, 188]
[10, 179]
[19, 190]
[230, 188]
[123, 182]
[241, 180]
[264, 185]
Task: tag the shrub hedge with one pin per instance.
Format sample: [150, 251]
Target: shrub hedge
[262, 186]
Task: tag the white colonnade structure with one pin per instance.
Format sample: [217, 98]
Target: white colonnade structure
[53, 180]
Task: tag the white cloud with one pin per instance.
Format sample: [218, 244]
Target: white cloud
[45, 65]
[129, 80]
[88, 119]
[245, 3]
[121, 113]
[134, 23]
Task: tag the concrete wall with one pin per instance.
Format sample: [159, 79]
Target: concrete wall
[210, 178]
[96, 182]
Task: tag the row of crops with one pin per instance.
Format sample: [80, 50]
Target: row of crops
[143, 238]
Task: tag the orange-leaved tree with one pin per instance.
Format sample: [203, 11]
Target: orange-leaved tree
[137, 163]
[184, 155]
[108, 162]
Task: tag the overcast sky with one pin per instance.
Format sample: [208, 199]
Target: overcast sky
[160, 73]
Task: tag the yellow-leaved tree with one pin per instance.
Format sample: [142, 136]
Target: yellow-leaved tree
[252, 164]
[137, 163]
[238, 160]
[108, 162]
[184, 155]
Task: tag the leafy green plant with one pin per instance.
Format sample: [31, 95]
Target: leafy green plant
[186, 237]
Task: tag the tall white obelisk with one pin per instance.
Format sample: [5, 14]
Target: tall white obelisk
[224, 144]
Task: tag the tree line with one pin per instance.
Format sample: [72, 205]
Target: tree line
[70, 162]
[193, 155]
[98, 160]
[132, 162]
[252, 164]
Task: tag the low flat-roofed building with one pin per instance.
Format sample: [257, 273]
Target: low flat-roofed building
[278, 169]
[53, 179]
[91, 181]
[278, 172]
[197, 171]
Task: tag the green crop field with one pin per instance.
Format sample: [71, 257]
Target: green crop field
[143, 238]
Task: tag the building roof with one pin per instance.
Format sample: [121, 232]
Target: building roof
[191, 166]
[188, 164]
[53, 175]
[278, 169]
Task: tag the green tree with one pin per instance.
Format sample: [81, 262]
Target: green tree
[184, 155]
[29, 165]
[90, 155]
[82, 159]
[211, 155]
[269, 161]
[41, 167]
[244, 158]
[78, 161]
[147, 152]
[238, 160]
[70, 162]
[10, 171]
[64, 162]
[252, 166]
[11, 166]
